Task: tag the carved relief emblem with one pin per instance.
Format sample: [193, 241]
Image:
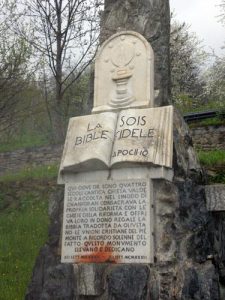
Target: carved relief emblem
[124, 73]
[122, 55]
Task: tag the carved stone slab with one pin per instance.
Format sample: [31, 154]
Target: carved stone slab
[144, 136]
[215, 197]
[108, 221]
[116, 140]
[124, 73]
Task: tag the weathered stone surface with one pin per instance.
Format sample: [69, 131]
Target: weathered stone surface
[215, 197]
[209, 137]
[191, 286]
[56, 215]
[218, 240]
[105, 140]
[185, 160]
[89, 142]
[58, 278]
[52, 280]
[152, 132]
[151, 18]
[189, 260]
[165, 204]
[128, 282]
[90, 281]
[201, 284]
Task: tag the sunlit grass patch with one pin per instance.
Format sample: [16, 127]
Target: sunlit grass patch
[36, 172]
[214, 163]
[23, 231]
[212, 158]
[23, 141]
[208, 122]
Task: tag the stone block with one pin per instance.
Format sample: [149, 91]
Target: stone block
[215, 197]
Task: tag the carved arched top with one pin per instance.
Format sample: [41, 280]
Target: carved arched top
[124, 73]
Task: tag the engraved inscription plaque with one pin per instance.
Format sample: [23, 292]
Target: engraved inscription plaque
[108, 221]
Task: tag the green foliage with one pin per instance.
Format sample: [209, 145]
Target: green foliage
[208, 122]
[219, 177]
[16, 68]
[212, 158]
[32, 123]
[214, 163]
[210, 105]
[76, 96]
[23, 141]
[23, 231]
[40, 172]
[185, 103]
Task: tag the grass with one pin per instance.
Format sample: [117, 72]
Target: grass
[23, 141]
[208, 122]
[185, 103]
[212, 158]
[40, 172]
[217, 178]
[214, 162]
[23, 230]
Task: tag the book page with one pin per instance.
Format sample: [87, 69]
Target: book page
[144, 135]
[89, 142]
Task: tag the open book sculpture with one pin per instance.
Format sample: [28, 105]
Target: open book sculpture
[111, 139]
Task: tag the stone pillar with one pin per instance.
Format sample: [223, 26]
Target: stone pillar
[151, 18]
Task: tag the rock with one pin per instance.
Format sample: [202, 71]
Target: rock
[90, 279]
[184, 246]
[128, 282]
[201, 285]
[51, 280]
[209, 137]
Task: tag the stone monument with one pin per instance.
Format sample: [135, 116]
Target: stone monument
[135, 223]
[110, 158]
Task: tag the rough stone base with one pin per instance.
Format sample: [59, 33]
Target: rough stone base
[189, 246]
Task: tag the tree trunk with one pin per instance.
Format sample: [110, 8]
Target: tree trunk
[58, 117]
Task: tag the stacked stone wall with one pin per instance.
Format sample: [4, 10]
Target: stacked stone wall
[23, 158]
[208, 137]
